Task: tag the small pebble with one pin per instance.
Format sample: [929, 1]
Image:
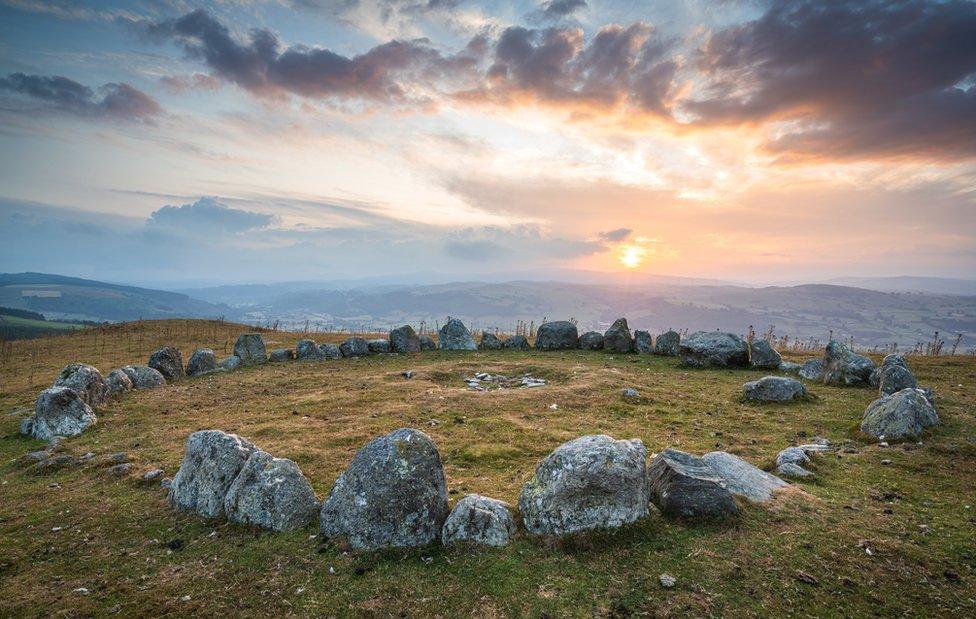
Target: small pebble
[886, 462]
[152, 475]
[667, 580]
[82, 591]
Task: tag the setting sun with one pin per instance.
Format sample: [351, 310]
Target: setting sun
[631, 256]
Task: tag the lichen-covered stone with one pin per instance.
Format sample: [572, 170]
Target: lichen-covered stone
[250, 349]
[211, 462]
[354, 347]
[404, 340]
[455, 336]
[489, 341]
[143, 376]
[308, 350]
[557, 335]
[517, 342]
[844, 367]
[618, 338]
[742, 478]
[427, 343]
[894, 378]
[202, 361]
[118, 382]
[643, 342]
[591, 340]
[379, 345]
[685, 486]
[478, 519]
[712, 349]
[668, 344]
[762, 356]
[774, 389]
[86, 381]
[788, 367]
[281, 355]
[271, 493]
[812, 369]
[230, 363]
[899, 416]
[330, 351]
[168, 361]
[58, 411]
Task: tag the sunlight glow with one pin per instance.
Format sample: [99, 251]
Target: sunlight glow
[631, 256]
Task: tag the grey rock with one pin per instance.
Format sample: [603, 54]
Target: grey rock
[379, 345]
[668, 344]
[120, 470]
[308, 350]
[711, 349]
[618, 338]
[685, 486]
[354, 347]
[792, 455]
[592, 482]
[427, 343]
[55, 463]
[558, 335]
[812, 369]
[517, 342]
[86, 381]
[489, 341]
[281, 355]
[152, 475]
[790, 462]
[774, 389]
[591, 340]
[404, 340]
[894, 359]
[166, 483]
[478, 519]
[211, 462]
[58, 411]
[788, 367]
[118, 382]
[143, 376]
[894, 378]
[643, 343]
[394, 493]
[794, 471]
[629, 393]
[270, 493]
[250, 349]
[899, 416]
[202, 361]
[844, 367]
[229, 364]
[667, 581]
[168, 361]
[330, 351]
[762, 356]
[455, 336]
[742, 478]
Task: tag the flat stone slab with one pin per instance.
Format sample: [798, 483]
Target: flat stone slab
[742, 478]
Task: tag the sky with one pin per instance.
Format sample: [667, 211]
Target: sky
[279, 140]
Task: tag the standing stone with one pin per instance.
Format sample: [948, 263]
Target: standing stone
[86, 381]
[517, 342]
[427, 343]
[668, 344]
[894, 378]
[479, 520]
[558, 335]
[711, 349]
[118, 382]
[763, 357]
[774, 389]
[812, 369]
[271, 493]
[788, 367]
[591, 340]
[308, 350]
[250, 349]
[489, 341]
[643, 343]
[685, 486]
[618, 338]
[844, 367]
[58, 411]
[280, 355]
[404, 340]
[742, 478]
[592, 482]
[211, 462]
[455, 336]
[394, 493]
[354, 347]
[330, 351]
[202, 361]
[143, 376]
[230, 363]
[169, 362]
[899, 416]
[379, 345]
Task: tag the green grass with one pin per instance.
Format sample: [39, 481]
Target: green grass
[42, 324]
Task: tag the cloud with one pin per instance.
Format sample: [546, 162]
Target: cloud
[207, 216]
[180, 84]
[615, 236]
[557, 10]
[515, 243]
[119, 101]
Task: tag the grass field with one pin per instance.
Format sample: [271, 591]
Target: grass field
[877, 539]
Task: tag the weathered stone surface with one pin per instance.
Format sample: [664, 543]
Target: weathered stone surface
[250, 349]
[118, 382]
[280, 355]
[143, 376]
[629, 393]
[899, 416]
[618, 338]
[86, 381]
[394, 493]
[685, 486]
[308, 350]
[230, 363]
[592, 482]
[455, 336]
[354, 347]
[742, 478]
[202, 361]
[211, 461]
[788, 367]
[842, 366]
[404, 339]
[270, 493]
[557, 335]
[489, 341]
[643, 343]
[711, 349]
[790, 462]
[517, 342]
[774, 389]
[427, 343]
[58, 411]
[379, 345]
[477, 519]
[793, 471]
[894, 378]
[812, 369]
[330, 351]
[591, 340]
[668, 344]
[763, 357]
[168, 361]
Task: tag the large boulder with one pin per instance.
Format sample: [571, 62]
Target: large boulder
[558, 335]
[86, 381]
[281, 355]
[330, 351]
[618, 338]
[668, 344]
[774, 389]
[229, 364]
[477, 519]
[118, 382]
[712, 349]
[143, 376]
[899, 416]
[58, 411]
[455, 336]
[489, 341]
[308, 350]
[202, 361]
[404, 339]
[378, 345]
[762, 356]
[394, 493]
[844, 367]
[250, 349]
[168, 361]
[742, 478]
[643, 342]
[592, 482]
[894, 378]
[685, 486]
[812, 369]
[427, 343]
[516, 342]
[591, 340]
[211, 462]
[270, 493]
[354, 347]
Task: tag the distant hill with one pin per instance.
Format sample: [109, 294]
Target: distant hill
[928, 285]
[73, 298]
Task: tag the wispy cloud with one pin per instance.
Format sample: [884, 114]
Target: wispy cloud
[115, 101]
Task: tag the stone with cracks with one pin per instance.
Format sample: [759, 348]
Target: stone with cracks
[712, 349]
[455, 336]
[844, 367]
[812, 369]
[250, 349]
[118, 382]
[379, 345]
[280, 355]
[516, 342]
[774, 389]
[742, 478]
[202, 361]
[668, 344]
[308, 350]
[58, 411]
[558, 335]
[404, 340]
[685, 486]
[592, 482]
[643, 342]
[271, 493]
[478, 519]
[394, 494]
[591, 340]
[762, 356]
[899, 416]
[489, 341]
[618, 338]
[427, 343]
[354, 347]
[211, 462]
[330, 351]
[86, 381]
[143, 376]
[894, 378]
[168, 361]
